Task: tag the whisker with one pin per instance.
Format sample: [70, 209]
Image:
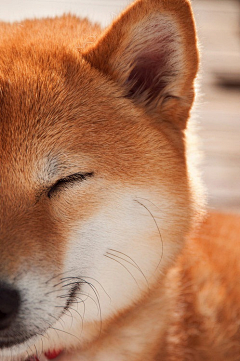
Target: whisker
[57, 329]
[67, 282]
[70, 308]
[68, 333]
[87, 296]
[78, 314]
[76, 283]
[62, 282]
[148, 200]
[36, 350]
[57, 319]
[58, 275]
[98, 301]
[81, 293]
[71, 316]
[84, 310]
[42, 344]
[83, 278]
[50, 292]
[73, 284]
[64, 313]
[28, 355]
[157, 229]
[122, 266]
[134, 264]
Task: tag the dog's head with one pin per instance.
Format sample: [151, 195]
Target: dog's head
[95, 193]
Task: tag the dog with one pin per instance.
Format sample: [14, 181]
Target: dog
[107, 252]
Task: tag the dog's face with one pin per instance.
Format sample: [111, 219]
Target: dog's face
[95, 196]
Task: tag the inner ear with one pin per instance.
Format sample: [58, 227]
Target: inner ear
[155, 65]
[145, 77]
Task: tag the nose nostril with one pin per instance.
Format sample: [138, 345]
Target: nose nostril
[3, 315]
[9, 305]
[5, 320]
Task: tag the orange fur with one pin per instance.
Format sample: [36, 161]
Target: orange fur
[97, 197]
[205, 322]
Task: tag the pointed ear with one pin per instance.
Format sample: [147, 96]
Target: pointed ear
[150, 50]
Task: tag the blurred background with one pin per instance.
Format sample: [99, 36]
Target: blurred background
[217, 112]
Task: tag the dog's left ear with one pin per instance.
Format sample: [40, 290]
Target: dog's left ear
[150, 50]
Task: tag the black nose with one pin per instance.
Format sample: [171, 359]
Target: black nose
[9, 305]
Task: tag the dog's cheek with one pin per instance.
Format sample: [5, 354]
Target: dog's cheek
[109, 252]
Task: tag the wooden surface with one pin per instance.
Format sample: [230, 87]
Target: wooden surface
[217, 112]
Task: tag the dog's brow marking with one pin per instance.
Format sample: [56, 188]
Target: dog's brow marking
[52, 167]
[49, 168]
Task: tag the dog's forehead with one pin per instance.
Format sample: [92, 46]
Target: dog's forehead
[46, 96]
[53, 102]
[61, 107]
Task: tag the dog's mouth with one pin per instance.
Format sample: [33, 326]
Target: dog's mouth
[50, 354]
[53, 354]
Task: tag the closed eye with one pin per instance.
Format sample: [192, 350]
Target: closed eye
[66, 181]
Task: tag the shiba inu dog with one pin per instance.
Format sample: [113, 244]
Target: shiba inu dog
[97, 195]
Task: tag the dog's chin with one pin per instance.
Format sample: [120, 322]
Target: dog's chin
[15, 349]
[23, 349]
[19, 353]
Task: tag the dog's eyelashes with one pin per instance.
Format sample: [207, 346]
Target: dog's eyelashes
[67, 181]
